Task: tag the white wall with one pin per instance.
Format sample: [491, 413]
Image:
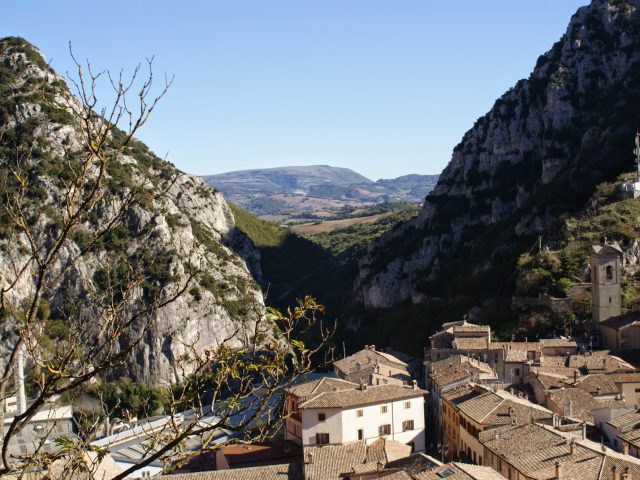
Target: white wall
[629, 391]
[343, 426]
[332, 425]
[603, 415]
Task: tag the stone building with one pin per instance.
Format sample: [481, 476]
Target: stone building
[373, 367]
[605, 281]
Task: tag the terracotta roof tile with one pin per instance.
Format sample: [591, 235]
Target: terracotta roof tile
[625, 420]
[470, 343]
[460, 394]
[459, 471]
[622, 321]
[626, 377]
[471, 328]
[272, 472]
[451, 374]
[597, 384]
[325, 384]
[356, 396]
[331, 462]
[558, 342]
[500, 408]
[577, 403]
[366, 357]
[526, 346]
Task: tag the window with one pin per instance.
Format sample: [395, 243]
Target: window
[322, 417]
[359, 413]
[360, 434]
[517, 372]
[407, 425]
[384, 430]
[383, 409]
[322, 438]
[609, 272]
[408, 405]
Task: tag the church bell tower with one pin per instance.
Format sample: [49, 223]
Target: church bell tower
[606, 295]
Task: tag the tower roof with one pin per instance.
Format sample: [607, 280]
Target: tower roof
[608, 248]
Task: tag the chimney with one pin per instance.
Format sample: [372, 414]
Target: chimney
[372, 347]
[625, 448]
[598, 390]
[584, 430]
[415, 384]
[558, 470]
[627, 474]
[614, 473]
[21, 396]
[575, 376]
[572, 447]
[310, 458]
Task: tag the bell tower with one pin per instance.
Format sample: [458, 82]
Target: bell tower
[606, 296]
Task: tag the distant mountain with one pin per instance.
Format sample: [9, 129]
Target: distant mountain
[415, 186]
[316, 191]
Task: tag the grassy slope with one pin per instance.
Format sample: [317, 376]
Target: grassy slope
[292, 266]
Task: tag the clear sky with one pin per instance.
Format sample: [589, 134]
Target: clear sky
[385, 87]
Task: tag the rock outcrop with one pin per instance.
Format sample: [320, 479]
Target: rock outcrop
[534, 158]
[167, 235]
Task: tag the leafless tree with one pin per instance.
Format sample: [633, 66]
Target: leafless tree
[232, 388]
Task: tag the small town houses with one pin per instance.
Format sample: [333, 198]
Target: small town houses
[537, 410]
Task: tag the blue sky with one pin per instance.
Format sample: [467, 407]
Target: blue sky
[383, 87]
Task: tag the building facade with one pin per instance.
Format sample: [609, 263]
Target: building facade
[606, 295]
[336, 412]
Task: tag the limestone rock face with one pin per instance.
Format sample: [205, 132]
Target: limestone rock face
[534, 157]
[182, 225]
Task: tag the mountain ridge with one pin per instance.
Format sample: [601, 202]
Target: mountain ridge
[179, 223]
[533, 159]
[314, 191]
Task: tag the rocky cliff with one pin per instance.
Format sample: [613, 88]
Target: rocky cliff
[181, 224]
[536, 157]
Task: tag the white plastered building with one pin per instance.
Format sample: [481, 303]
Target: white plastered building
[334, 412]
